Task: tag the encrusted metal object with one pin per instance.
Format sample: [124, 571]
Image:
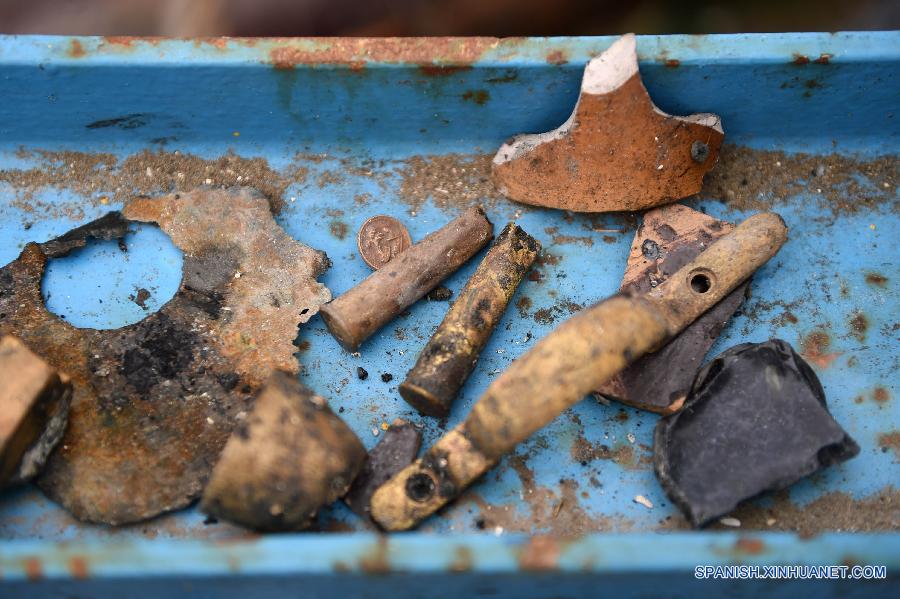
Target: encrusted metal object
[617, 151]
[563, 367]
[291, 456]
[668, 238]
[451, 353]
[756, 420]
[357, 314]
[34, 408]
[154, 402]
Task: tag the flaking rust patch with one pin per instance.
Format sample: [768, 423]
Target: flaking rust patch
[154, 402]
[617, 151]
[669, 238]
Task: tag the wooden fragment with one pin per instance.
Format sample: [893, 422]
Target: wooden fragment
[34, 407]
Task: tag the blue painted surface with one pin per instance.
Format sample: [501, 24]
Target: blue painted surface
[193, 98]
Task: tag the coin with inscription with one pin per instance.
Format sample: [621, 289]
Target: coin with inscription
[380, 239]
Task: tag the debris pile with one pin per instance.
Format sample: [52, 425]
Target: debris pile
[202, 399]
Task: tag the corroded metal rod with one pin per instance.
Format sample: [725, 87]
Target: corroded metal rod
[387, 292]
[566, 365]
[451, 353]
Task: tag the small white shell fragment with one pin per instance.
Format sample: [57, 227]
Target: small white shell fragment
[729, 521]
[643, 501]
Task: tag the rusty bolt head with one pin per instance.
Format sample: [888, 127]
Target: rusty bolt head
[699, 152]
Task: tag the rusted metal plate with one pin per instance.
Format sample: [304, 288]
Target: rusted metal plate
[617, 151]
[669, 238]
[154, 402]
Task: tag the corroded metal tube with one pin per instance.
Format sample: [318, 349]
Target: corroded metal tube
[566, 365]
[291, 456]
[355, 315]
[451, 353]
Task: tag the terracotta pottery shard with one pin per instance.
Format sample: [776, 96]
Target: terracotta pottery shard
[34, 407]
[617, 151]
[669, 238]
[396, 450]
[292, 456]
[756, 420]
[154, 402]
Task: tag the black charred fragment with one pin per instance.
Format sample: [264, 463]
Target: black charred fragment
[108, 227]
[396, 450]
[362, 373]
[756, 420]
[450, 355]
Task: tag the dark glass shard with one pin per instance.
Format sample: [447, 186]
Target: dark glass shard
[755, 420]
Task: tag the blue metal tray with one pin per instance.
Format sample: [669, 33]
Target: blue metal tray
[343, 129]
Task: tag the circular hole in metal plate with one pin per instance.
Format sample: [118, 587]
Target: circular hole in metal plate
[108, 284]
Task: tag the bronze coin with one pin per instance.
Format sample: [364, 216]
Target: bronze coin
[380, 239]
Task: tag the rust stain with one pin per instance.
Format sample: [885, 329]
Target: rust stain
[672, 63]
[509, 77]
[462, 560]
[544, 316]
[431, 51]
[76, 50]
[341, 567]
[584, 452]
[540, 554]
[800, 59]
[127, 42]
[557, 57]
[479, 96]
[824, 59]
[376, 561]
[78, 567]
[338, 229]
[876, 279]
[34, 570]
[881, 395]
[859, 325]
[219, 43]
[814, 349]
[749, 546]
[437, 70]
[572, 239]
[523, 305]
[890, 442]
